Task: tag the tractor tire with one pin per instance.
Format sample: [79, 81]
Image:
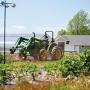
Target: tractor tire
[43, 55]
[22, 56]
[56, 53]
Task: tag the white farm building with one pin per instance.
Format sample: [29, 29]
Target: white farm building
[73, 43]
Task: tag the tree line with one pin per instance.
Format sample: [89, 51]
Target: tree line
[78, 25]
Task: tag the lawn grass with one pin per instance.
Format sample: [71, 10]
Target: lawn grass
[82, 84]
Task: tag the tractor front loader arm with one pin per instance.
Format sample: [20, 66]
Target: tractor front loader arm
[17, 44]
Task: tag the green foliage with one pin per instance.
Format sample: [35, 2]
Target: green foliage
[79, 20]
[62, 32]
[24, 69]
[1, 58]
[5, 73]
[71, 65]
[66, 66]
[85, 57]
[83, 30]
[30, 68]
[15, 70]
[50, 68]
[78, 25]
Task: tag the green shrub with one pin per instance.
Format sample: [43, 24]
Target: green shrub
[50, 68]
[85, 57]
[66, 66]
[5, 74]
[71, 65]
[16, 70]
[29, 68]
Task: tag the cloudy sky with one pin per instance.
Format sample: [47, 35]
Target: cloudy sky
[40, 15]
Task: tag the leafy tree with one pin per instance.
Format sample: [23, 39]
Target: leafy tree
[84, 30]
[62, 32]
[78, 23]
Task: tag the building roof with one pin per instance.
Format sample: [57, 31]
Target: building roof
[75, 39]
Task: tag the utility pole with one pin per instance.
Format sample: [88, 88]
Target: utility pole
[5, 5]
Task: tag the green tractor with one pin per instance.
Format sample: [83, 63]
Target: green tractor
[41, 49]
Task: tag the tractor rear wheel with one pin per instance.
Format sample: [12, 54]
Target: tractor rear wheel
[56, 53]
[43, 55]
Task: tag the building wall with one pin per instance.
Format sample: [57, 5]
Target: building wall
[68, 48]
[81, 48]
[61, 45]
[76, 48]
[71, 48]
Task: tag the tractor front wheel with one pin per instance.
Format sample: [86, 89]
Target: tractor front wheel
[43, 55]
[22, 56]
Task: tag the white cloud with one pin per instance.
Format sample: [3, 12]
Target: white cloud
[14, 29]
[18, 26]
[43, 28]
[19, 29]
[54, 28]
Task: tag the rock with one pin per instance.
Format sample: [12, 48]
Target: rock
[42, 74]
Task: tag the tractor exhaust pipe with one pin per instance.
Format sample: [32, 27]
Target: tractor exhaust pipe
[33, 34]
